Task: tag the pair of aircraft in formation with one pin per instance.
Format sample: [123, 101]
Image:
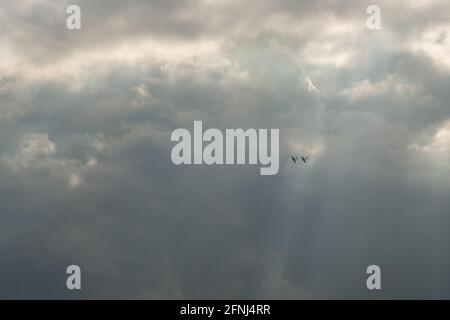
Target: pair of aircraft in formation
[295, 158]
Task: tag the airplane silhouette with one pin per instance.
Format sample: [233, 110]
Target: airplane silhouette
[295, 158]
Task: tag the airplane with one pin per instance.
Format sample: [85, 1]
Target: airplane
[303, 158]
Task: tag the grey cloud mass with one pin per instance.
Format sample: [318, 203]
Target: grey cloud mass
[86, 176]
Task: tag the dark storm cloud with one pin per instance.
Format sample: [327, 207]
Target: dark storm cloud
[132, 204]
[86, 176]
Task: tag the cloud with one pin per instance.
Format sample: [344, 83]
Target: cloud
[85, 170]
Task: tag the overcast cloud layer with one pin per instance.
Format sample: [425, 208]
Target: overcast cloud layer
[85, 170]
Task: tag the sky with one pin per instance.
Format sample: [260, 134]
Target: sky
[86, 176]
